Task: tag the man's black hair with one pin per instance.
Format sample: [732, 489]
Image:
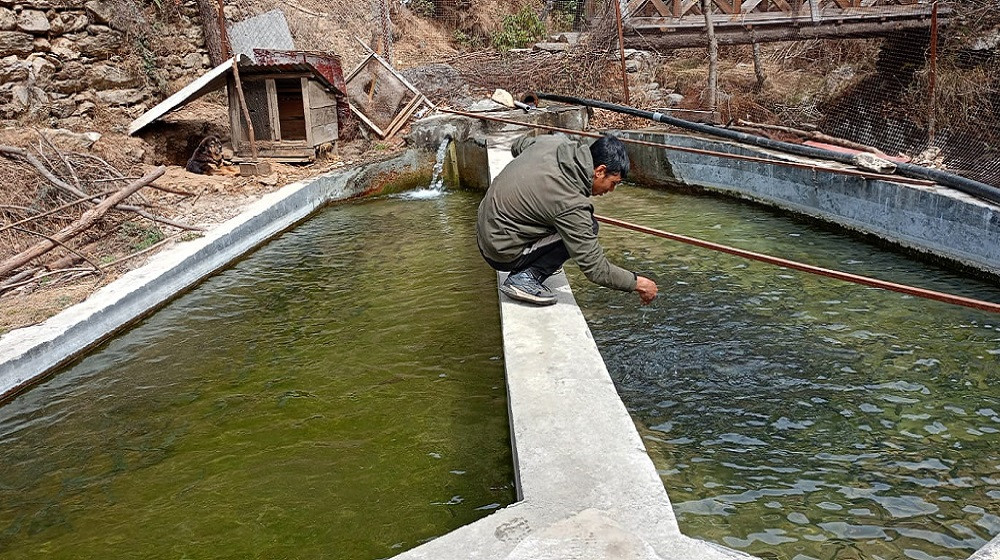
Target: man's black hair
[610, 151]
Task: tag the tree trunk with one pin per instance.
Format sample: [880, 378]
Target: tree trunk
[86, 220]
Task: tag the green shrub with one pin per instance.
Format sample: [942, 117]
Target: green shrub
[423, 8]
[518, 30]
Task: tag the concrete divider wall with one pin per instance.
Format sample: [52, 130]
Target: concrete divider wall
[28, 354]
[930, 219]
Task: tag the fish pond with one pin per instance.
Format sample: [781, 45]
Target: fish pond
[798, 417]
[337, 394]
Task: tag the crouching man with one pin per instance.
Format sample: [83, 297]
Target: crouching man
[537, 214]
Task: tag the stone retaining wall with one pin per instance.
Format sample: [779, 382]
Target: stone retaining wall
[63, 59]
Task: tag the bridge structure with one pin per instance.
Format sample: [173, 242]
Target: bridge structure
[681, 23]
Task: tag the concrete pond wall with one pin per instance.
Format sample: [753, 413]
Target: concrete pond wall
[934, 220]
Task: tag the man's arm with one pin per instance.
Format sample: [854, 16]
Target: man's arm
[576, 227]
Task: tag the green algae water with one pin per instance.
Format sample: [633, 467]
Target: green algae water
[798, 417]
[338, 394]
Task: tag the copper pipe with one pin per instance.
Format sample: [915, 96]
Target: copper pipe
[845, 276]
[784, 163]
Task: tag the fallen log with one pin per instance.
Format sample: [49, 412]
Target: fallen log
[86, 220]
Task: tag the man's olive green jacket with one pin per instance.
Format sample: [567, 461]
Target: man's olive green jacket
[545, 190]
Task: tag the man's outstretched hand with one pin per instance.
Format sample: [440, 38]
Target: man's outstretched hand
[646, 288]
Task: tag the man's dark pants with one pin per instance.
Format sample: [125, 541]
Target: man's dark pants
[544, 257]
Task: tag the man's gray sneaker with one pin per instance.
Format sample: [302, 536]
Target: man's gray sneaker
[524, 286]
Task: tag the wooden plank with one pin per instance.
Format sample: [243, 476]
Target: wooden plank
[324, 116]
[751, 5]
[307, 110]
[724, 6]
[634, 6]
[402, 116]
[235, 122]
[324, 133]
[677, 8]
[734, 33]
[272, 110]
[319, 96]
[660, 7]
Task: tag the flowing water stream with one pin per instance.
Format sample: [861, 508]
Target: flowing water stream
[799, 417]
[337, 394]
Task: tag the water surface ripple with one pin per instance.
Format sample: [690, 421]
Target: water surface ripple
[799, 417]
[338, 394]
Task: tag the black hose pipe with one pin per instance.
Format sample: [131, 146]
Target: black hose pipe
[957, 182]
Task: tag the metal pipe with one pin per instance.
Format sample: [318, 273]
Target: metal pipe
[931, 86]
[779, 162]
[845, 276]
[959, 183]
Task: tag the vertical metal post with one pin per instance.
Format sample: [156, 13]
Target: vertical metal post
[931, 86]
[621, 49]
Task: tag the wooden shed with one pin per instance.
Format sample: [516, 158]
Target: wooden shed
[294, 104]
[295, 101]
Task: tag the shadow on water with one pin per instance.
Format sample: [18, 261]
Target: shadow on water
[338, 394]
[799, 417]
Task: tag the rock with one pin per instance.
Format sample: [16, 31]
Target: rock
[85, 108]
[192, 60]
[987, 42]
[62, 108]
[13, 69]
[438, 81]
[552, 47]
[21, 95]
[674, 99]
[64, 49]
[110, 76]
[8, 19]
[121, 96]
[872, 162]
[100, 11]
[33, 21]
[41, 68]
[69, 22]
[72, 141]
[41, 44]
[485, 105]
[102, 45]
[15, 42]
[29, 99]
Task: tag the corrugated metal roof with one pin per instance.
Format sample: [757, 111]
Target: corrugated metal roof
[263, 31]
[208, 82]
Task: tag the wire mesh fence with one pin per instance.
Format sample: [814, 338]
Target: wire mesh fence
[879, 83]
